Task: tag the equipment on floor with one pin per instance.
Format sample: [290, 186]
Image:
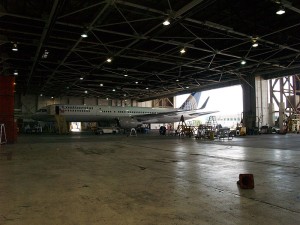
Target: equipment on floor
[246, 181]
[133, 132]
[3, 140]
[225, 132]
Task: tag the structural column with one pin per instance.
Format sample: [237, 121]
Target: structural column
[7, 107]
[249, 103]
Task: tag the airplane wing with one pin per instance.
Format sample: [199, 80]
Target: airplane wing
[174, 115]
[178, 113]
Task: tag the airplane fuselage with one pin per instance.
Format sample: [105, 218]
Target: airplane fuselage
[82, 113]
[127, 117]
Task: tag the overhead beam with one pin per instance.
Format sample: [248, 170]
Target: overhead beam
[186, 8]
[46, 31]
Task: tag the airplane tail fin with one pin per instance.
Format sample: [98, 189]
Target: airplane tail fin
[204, 104]
[191, 102]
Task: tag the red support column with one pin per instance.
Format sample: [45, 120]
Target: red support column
[7, 107]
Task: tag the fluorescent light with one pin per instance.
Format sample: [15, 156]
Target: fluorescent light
[84, 35]
[166, 22]
[280, 11]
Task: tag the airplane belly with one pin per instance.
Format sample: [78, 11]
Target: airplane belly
[79, 118]
[164, 120]
[85, 118]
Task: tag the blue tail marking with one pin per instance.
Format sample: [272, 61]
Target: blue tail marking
[191, 102]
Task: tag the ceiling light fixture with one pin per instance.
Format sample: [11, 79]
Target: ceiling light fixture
[243, 62]
[84, 35]
[45, 54]
[15, 47]
[255, 44]
[166, 22]
[182, 51]
[280, 11]
[109, 60]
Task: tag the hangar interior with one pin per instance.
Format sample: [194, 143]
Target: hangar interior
[143, 53]
[123, 50]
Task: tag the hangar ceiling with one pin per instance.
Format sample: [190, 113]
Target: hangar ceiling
[54, 60]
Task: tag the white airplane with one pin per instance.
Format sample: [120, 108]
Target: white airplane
[126, 116]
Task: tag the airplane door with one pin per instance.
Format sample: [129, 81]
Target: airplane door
[56, 110]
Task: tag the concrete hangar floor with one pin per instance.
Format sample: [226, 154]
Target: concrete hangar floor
[149, 179]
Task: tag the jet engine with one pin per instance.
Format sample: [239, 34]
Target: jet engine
[128, 122]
